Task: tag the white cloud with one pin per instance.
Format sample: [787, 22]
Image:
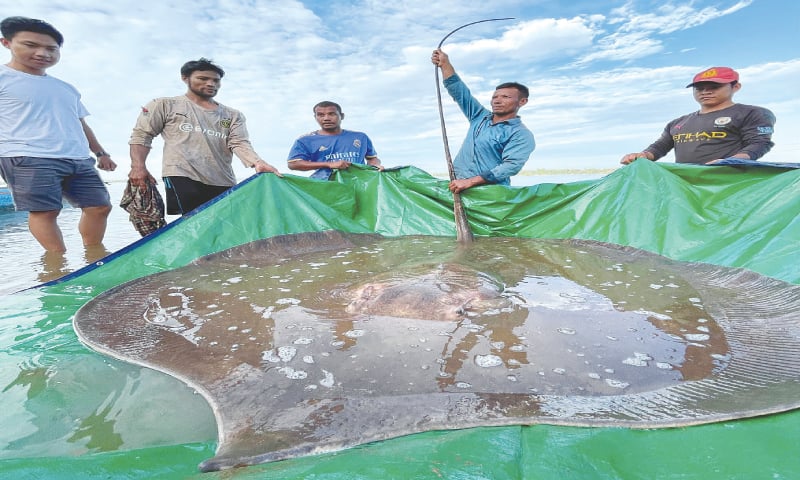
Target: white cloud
[593, 98]
[639, 34]
[535, 39]
[669, 17]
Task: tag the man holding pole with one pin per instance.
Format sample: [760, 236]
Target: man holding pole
[497, 144]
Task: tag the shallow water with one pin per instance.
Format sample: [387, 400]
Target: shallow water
[586, 334]
[24, 264]
[595, 323]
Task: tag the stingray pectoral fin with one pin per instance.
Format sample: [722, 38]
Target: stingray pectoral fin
[285, 378]
[334, 424]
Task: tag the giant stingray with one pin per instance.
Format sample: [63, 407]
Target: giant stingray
[316, 342]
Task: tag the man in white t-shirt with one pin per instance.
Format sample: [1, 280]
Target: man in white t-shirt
[45, 143]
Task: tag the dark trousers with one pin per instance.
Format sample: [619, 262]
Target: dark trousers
[185, 194]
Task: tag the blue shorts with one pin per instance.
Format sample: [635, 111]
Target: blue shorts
[42, 184]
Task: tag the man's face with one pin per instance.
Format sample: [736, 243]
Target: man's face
[711, 94]
[506, 101]
[203, 83]
[32, 52]
[329, 118]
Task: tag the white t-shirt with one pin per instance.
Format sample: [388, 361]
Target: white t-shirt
[40, 117]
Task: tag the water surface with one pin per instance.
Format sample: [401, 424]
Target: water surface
[24, 264]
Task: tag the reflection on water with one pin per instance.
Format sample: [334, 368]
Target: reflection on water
[97, 432]
[23, 262]
[55, 265]
[563, 321]
[63, 400]
[22, 266]
[330, 339]
[84, 404]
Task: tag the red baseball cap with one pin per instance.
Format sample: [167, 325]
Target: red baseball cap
[716, 75]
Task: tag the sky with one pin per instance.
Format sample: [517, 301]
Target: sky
[605, 76]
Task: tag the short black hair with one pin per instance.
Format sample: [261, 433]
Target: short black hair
[13, 25]
[201, 65]
[327, 103]
[522, 89]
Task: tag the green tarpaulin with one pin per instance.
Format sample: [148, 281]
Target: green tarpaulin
[67, 412]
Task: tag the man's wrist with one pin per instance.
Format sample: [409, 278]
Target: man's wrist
[101, 153]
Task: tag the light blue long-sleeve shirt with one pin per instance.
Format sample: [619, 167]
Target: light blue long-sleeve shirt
[495, 152]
